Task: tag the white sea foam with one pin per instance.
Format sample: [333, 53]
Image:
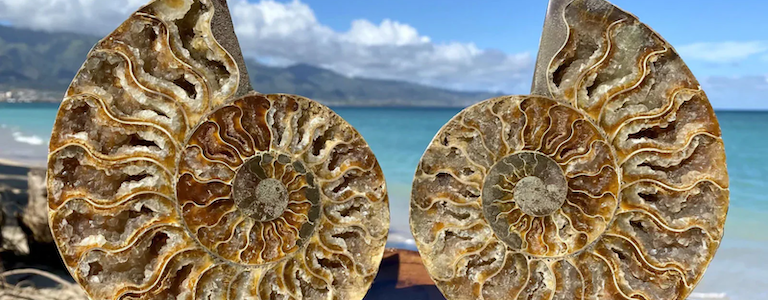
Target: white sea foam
[22, 147]
[27, 139]
[707, 296]
[18, 136]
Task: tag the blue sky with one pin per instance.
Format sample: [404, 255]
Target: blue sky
[468, 45]
[515, 26]
[695, 27]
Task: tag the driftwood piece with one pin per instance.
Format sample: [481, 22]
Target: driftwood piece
[33, 222]
[13, 200]
[25, 237]
[26, 289]
[35, 215]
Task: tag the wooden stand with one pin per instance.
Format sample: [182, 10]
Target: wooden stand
[403, 276]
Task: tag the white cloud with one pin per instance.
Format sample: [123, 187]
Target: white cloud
[722, 52]
[387, 33]
[86, 16]
[737, 92]
[290, 32]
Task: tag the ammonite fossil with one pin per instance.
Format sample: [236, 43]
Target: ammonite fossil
[609, 183]
[168, 178]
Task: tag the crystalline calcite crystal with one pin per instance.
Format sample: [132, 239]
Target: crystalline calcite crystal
[169, 179]
[611, 184]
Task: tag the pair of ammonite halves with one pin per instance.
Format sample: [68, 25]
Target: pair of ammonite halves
[170, 178]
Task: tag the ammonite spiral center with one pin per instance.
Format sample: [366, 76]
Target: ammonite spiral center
[263, 199]
[270, 200]
[534, 197]
[534, 181]
[270, 206]
[550, 187]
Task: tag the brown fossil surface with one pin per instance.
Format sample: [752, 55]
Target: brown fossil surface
[168, 178]
[610, 183]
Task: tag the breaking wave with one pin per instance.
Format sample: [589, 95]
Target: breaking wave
[27, 139]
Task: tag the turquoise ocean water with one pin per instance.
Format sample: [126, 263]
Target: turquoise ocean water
[399, 136]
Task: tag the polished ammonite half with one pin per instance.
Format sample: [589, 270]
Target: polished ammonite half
[169, 179]
[612, 184]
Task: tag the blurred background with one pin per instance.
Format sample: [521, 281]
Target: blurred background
[398, 70]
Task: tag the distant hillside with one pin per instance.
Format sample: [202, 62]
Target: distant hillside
[40, 60]
[49, 61]
[328, 86]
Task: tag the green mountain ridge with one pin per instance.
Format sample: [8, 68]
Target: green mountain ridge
[48, 61]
